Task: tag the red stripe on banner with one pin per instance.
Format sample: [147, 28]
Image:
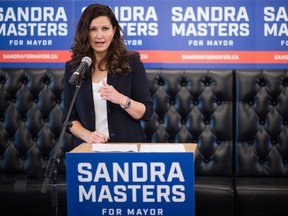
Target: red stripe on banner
[215, 57]
[155, 56]
[158, 56]
[30, 56]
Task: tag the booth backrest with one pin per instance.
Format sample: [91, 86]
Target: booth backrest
[190, 106]
[262, 123]
[30, 120]
[195, 106]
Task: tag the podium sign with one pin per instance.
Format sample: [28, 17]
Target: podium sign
[130, 183]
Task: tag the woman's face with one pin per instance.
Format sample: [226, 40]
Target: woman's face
[101, 33]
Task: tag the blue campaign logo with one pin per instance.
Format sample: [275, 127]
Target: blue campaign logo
[130, 184]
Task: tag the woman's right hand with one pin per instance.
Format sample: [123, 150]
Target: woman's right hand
[88, 136]
[97, 137]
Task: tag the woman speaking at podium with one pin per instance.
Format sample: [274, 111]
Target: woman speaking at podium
[114, 94]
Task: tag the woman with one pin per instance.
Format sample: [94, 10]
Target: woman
[114, 94]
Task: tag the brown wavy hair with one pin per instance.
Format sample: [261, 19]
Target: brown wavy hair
[116, 57]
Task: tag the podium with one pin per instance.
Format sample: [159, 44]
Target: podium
[130, 183]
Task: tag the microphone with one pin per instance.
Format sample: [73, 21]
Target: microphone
[84, 65]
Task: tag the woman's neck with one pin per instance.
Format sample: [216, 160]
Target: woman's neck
[98, 75]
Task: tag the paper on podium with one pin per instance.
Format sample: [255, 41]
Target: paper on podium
[162, 148]
[114, 147]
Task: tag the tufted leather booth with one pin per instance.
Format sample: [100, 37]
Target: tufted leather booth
[262, 142]
[238, 119]
[197, 106]
[30, 125]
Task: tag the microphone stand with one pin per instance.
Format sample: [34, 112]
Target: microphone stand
[51, 169]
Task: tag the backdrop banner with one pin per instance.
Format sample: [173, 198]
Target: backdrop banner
[168, 34]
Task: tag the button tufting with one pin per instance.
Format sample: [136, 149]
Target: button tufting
[183, 83]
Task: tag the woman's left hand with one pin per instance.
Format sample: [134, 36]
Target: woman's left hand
[108, 92]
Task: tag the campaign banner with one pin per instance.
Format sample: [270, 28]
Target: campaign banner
[168, 34]
[129, 183]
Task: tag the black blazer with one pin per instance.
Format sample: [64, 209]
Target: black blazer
[122, 127]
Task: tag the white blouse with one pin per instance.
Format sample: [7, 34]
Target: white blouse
[100, 106]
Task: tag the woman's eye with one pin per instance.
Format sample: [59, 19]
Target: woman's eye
[92, 29]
